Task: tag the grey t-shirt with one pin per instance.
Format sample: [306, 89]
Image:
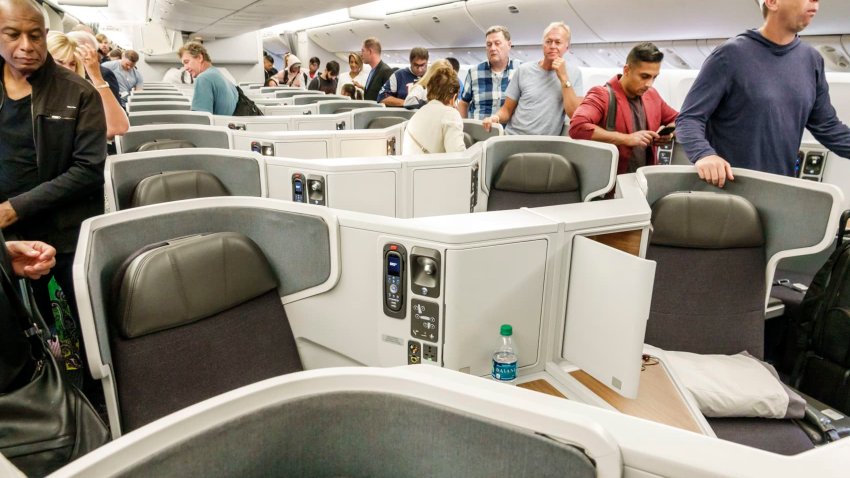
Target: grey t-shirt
[540, 99]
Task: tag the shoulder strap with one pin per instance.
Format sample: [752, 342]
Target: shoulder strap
[423, 148]
[24, 317]
[611, 118]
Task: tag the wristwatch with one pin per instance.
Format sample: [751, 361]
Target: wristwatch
[567, 84]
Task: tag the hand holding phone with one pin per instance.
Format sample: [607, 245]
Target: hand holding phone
[665, 130]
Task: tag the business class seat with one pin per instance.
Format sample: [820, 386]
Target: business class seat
[379, 117]
[178, 303]
[160, 137]
[193, 318]
[473, 132]
[171, 117]
[159, 106]
[139, 179]
[540, 171]
[317, 424]
[533, 180]
[315, 98]
[342, 106]
[175, 186]
[715, 250]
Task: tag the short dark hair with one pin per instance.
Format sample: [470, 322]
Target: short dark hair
[373, 44]
[418, 53]
[333, 67]
[644, 52]
[315, 61]
[131, 55]
[455, 63]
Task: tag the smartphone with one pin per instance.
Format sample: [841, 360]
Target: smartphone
[666, 130]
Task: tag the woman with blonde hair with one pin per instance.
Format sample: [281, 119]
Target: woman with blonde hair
[418, 94]
[355, 76]
[63, 49]
[437, 127]
[77, 51]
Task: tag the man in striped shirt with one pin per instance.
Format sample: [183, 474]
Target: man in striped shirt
[485, 85]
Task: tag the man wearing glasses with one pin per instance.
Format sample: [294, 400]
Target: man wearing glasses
[395, 89]
[540, 93]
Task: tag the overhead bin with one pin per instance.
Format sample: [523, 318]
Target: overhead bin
[394, 32]
[666, 19]
[526, 19]
[446, 25]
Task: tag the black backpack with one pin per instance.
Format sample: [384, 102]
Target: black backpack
[822, 366]
[245, 106]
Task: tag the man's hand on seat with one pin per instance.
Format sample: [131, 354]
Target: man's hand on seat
[640, 139]
[714, 170]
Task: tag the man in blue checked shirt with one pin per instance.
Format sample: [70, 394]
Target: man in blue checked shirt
[485, 85]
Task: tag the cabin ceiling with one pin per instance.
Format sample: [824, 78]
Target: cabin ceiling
[226, 18]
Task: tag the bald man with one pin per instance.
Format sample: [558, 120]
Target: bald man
[52, 143]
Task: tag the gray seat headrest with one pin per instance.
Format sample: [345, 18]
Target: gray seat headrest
[705, 220]
[468, 140]
[177, 185]
[190, 279]
[382, 122]
[159, 144]
[536, 173]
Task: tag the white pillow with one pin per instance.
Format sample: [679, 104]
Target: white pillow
[735, 386]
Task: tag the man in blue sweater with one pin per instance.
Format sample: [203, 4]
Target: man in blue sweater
[755, 94]
[213, 92]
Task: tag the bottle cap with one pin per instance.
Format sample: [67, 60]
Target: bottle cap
[506, 330]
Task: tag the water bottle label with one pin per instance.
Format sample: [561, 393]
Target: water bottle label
[504, 371]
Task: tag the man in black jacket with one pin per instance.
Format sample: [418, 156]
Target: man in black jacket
[52, 141]
[381, 72]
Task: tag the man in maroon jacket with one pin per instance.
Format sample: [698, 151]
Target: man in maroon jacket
[639, 112]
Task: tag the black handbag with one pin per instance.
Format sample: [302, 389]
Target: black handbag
[46, 423]
[245, 106]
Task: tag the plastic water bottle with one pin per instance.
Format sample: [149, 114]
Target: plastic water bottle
[505, 357]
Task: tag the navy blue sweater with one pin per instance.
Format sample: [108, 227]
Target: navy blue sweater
[752, 99]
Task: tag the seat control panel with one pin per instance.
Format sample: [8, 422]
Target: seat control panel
[316, 190]
[394, 262]
[425, 324]
[664, 153]
[266, 149]
[298, 184]
[810, 164]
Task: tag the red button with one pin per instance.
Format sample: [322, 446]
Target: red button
[393, 247]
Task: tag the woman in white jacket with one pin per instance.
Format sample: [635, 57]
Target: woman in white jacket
[437, 127]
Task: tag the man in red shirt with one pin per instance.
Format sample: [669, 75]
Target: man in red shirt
[639, 111]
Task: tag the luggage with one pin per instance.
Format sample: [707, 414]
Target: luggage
[46, 422]
[822, 368]
[245, 106]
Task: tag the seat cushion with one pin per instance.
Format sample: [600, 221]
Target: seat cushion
[784, 437]
[175, 186]
[713, 311]
[187, 280]
[161, 373]
[382, 122]
[536, 173]
[705, 220]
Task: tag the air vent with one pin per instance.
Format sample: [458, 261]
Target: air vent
[386, 26]
[513, 9]
[436, 19]
[835, 58]
[674, 59]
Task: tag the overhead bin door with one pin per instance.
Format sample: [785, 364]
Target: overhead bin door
[526, 19]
